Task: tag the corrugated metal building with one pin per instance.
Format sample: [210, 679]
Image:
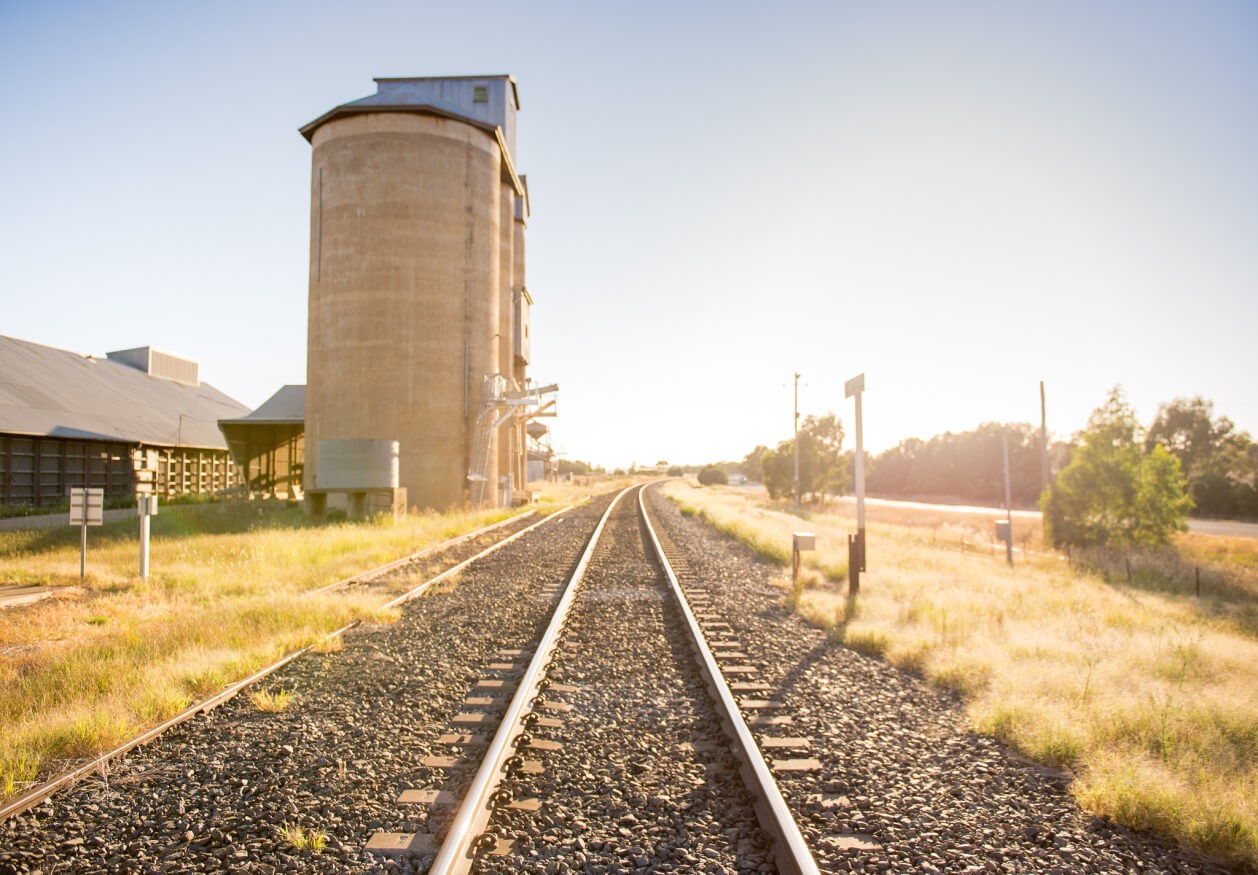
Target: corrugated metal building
[269, 444]
[137, 420]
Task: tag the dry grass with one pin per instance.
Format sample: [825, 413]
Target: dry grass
[79, 675]
[1147, 694]
[559, 494]
[331, 644]
[270, 702]
[302, 839]
[1211, 549]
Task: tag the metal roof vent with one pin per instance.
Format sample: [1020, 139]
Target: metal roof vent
[158, 364]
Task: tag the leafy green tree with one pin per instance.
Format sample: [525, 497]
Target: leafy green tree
[676, 471]
[1215, 457]
[753, 464]
[711, 475]
[821, 464]
[1113, 491]
[778, 470]
[823, 468]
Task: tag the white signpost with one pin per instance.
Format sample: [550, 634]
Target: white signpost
[146, 507]
[87, 508]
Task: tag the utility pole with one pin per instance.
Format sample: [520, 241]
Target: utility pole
[1004, 434]
[1046, 473]
[796, 444]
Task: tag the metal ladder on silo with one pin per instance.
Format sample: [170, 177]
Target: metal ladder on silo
[482, 446]
[487, 421]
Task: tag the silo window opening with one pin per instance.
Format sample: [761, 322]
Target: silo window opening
[480, 94]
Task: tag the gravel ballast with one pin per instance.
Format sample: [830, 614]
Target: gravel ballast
[645, 781]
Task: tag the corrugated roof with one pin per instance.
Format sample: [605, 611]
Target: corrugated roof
[448, 96]
[286, 405]
[57, 393]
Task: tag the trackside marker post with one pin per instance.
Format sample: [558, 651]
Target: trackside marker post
[87, 508]
[146, 507]
[856, 546]
[800, 541]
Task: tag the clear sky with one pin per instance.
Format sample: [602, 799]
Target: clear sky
[958, 199]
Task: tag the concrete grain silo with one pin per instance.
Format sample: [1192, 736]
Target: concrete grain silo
[417, 231]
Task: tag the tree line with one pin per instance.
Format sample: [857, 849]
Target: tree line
[1218, 463]
[1114, 481]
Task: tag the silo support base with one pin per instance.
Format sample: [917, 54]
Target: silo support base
[358, 504]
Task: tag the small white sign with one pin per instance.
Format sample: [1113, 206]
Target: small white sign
[87, 507]
[854, 385]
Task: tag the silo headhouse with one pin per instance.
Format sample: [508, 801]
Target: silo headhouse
[417, 386]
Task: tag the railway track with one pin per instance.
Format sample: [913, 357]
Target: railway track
[626, 761]
[623, 665]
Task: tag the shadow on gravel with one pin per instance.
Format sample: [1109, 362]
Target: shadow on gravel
[801, 668]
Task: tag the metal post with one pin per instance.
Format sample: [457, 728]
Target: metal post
[144, 546]
[856, 548]
[83, 550]
[1046, 473]
[860, 470]
[853, 566]
[796, 440]
[1004, 434]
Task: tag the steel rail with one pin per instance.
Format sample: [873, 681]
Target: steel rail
[373, 573]
[455, 569]
[458, 850]
[789, 848]
[36, 795]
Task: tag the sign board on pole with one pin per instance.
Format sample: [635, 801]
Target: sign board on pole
[854, 385]
[144, 481]
[87, 507]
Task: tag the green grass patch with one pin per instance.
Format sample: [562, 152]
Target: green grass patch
[271, 702]
[303, 839]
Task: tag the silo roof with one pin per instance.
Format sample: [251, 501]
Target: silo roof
[445, 96]
[49, 392]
